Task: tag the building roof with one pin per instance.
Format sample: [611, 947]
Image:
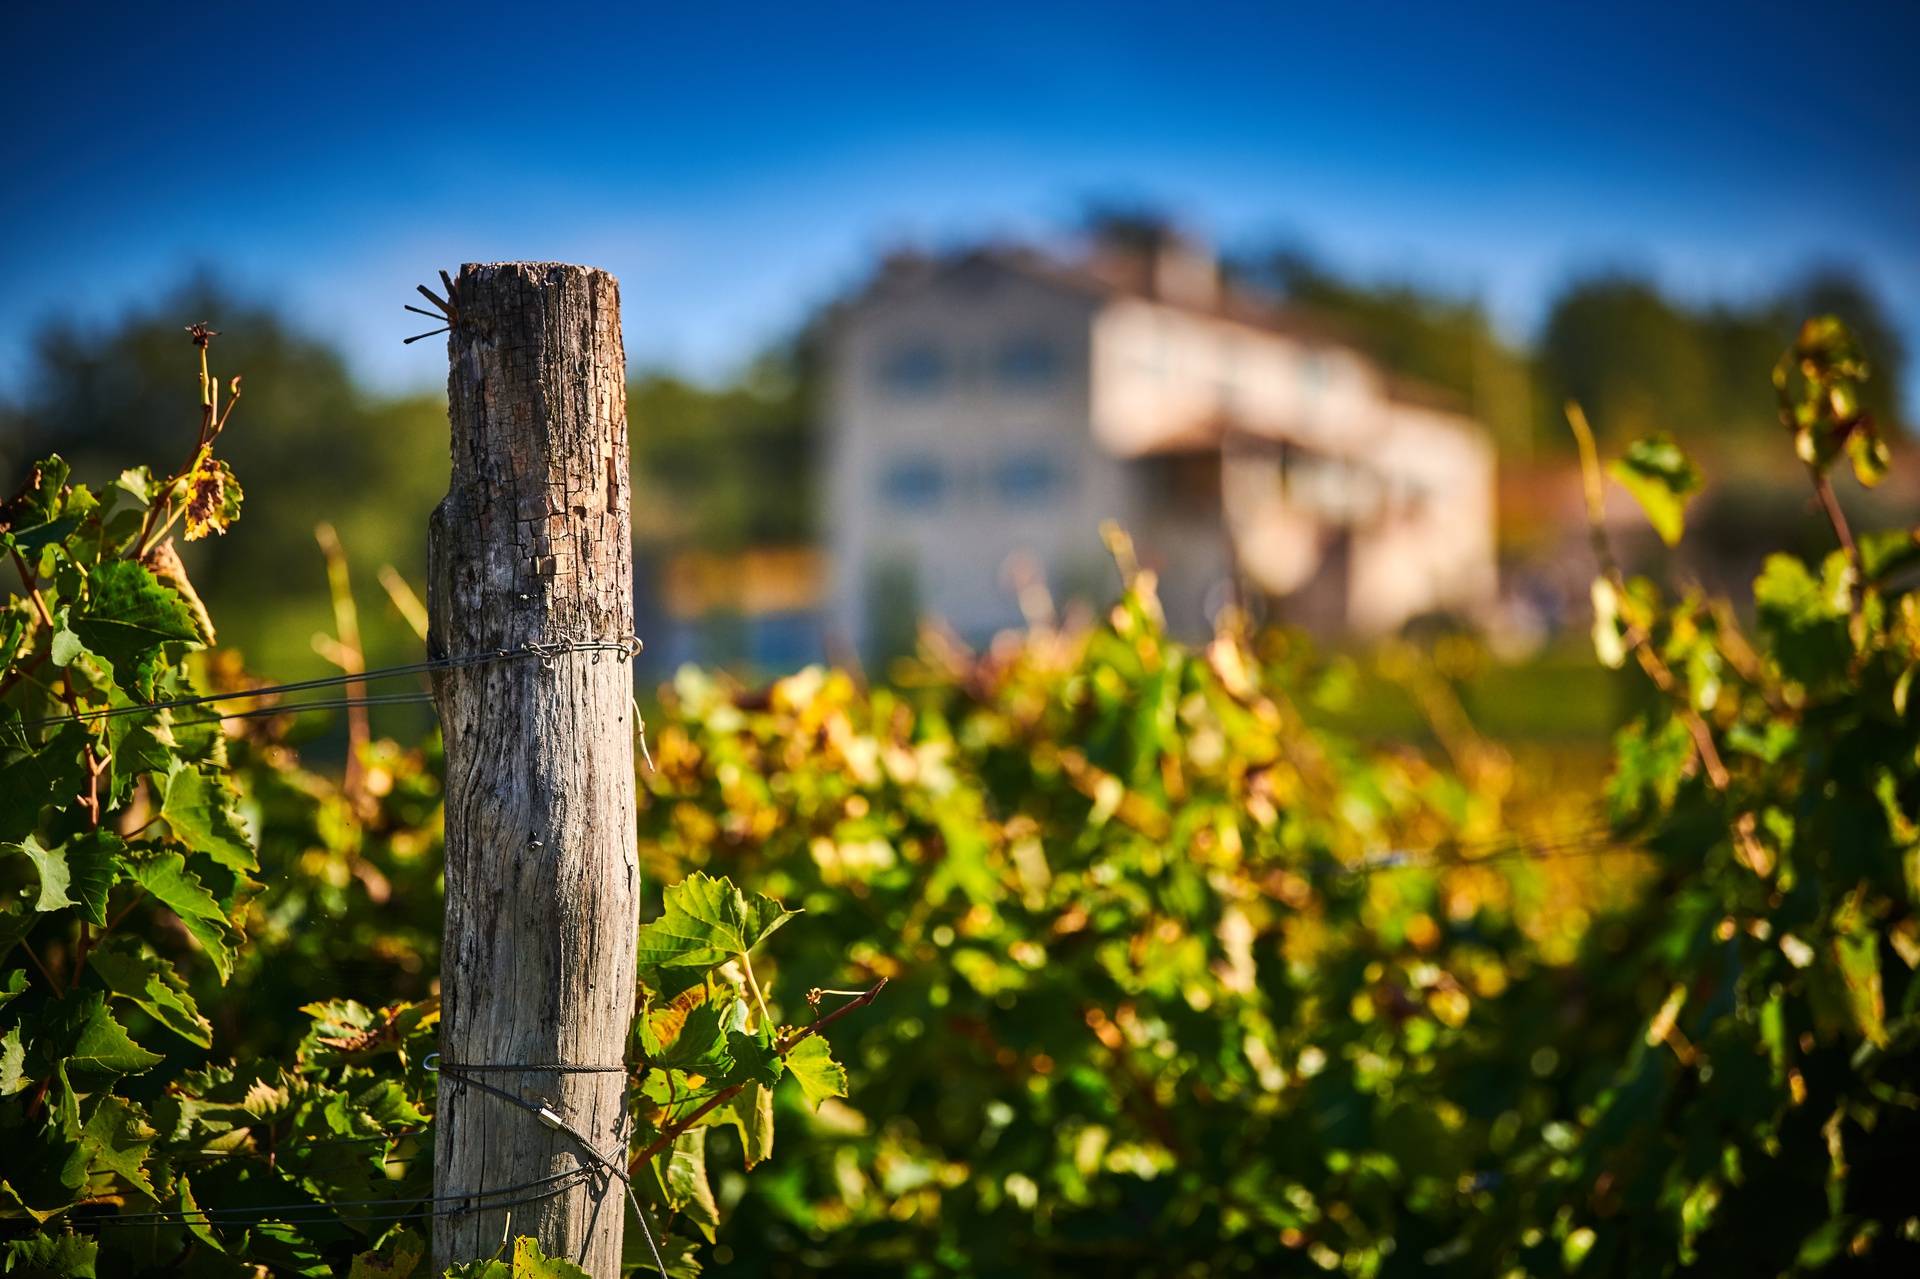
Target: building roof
[1112, 276]
[1102, 278]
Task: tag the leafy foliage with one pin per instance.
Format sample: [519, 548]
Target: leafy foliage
[1161, 995]
[1167, 997]
[145, 846]
[1661, 478]
[1176, 979]
[131, 872]
[1760, 1121]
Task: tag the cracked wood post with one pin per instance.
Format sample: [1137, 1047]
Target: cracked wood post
[531, 546]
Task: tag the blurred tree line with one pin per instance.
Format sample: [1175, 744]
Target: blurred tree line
[1636, 359]
[726, 467]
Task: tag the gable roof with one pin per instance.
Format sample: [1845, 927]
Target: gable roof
[1100, 280]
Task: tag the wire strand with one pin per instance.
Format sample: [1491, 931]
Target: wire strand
[546, 652]
[315, 1211]
[321, 704]
[551, 1118]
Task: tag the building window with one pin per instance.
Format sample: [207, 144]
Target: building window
[1028, 478]
[1028, 363]
[1183, 484]
[913, 483]
[915, 370]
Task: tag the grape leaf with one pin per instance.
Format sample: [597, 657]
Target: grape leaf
[397, 1257]
[50, 866]
[128, 618]
[1854, 951]
[65, 648]
[531, 1263]
[1805, 618]
[1661, 478]
[528, 1262]
[13, 1059]
[45, 510]
[80, 1033]
[32, 777]
[93, 863]
[136, 744]
[753, 1059]
[811, 1062]
[173, 885]
[751, 1111]
[199, 809]
[213, 497]
[707, 921]
[701, 1046]
[133, 972]
[683, 1175]
[115, 1139]
[69, 1256]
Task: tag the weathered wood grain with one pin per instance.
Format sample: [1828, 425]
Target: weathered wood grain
[531, 545]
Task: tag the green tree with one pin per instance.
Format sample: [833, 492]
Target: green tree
[1639, 361]
[1636, 362]
[724, 468]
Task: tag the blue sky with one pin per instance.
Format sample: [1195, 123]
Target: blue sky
[734, 164]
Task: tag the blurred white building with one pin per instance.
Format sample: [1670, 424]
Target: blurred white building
[997, 404]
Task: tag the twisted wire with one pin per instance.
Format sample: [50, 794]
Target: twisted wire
[545, 652]
[547, 1115]
[314, 1211]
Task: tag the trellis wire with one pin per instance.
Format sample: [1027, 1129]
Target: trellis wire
[319, 704]
[316, 1212]
[548, 1116]
[627, 648]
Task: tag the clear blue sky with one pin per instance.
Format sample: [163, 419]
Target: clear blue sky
[735, 163]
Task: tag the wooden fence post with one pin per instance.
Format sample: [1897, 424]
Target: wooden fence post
[531, 551]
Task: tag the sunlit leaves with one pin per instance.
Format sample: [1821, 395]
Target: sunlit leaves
[682, 1170]
[121, 852]
[199, 808]
[47, 1256]
[129, 618]
[1650, 763]
[93, 866]
[36, 775]
[172, 883]
[1818, 385]
[115, 1139]
[45, 512]
[399, 1256]
[1661, 478]
[526, 1261]
[1854, 952]
[811, 1062]
[750, 1111]
[1804, 618]
[213, 496]
[700, 1046]
[49, 872]
[344, 1031]
[707, 921]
